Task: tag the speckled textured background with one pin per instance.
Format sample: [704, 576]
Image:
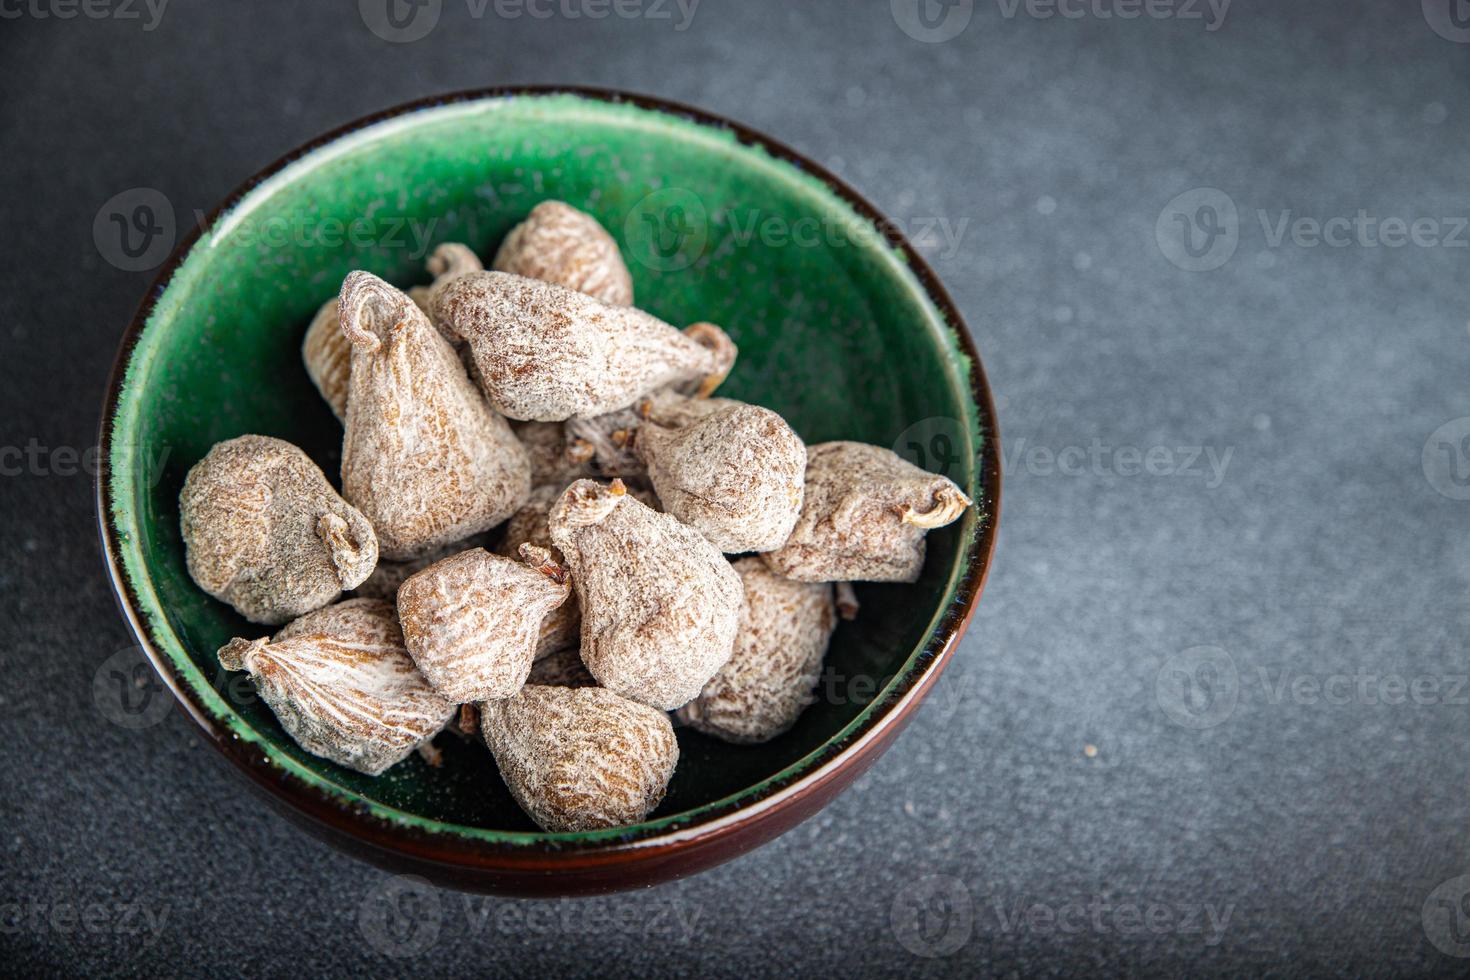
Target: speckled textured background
[1232, 554]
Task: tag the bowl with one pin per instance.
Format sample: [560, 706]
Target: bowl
[842, 327]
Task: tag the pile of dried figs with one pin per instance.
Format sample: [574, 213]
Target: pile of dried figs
[538, 497]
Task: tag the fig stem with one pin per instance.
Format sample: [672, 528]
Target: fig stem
[949, 503]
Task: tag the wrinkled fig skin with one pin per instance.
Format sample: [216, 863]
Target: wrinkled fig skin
[777, 663]
[265, 532]
[564, 668]
[865, 516]
[579, 759]
[559, 244]
[472, 622]
[547, 353]
[343, 686]
[423, 456]
[660, 604]
[389, 575]
[735, 475]
[326, 351]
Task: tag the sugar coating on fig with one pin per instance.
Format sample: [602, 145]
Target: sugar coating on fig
[472, 621]
[560, 244]
[423, 456]
[342, 685]
[265, 532]
[327, 353]
[579, 759]
[736, 475]
[865, 516]
[777, 662]
[660, 604]
[547, 353]
[563, 668]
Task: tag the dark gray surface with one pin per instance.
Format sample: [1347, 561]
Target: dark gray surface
[1324, 552]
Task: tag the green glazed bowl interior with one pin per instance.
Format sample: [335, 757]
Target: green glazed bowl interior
[837, 329]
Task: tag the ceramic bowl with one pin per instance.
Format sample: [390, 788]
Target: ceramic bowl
[842, 328]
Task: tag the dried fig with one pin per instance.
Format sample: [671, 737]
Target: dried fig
[769, 679]
[264, 531]
[343, 686]
[547, 353]
[580, 759]
[472, 622]
[557, 243]
[735, 475]
[865, 516]
[563, 625]
[604, 446]
[326, 351]
[660, 605]
[423, 456]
